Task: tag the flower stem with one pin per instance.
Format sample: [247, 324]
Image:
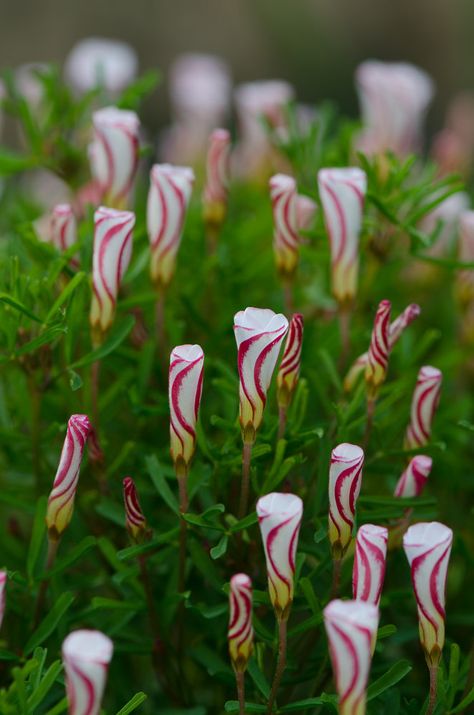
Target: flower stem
[281, 422]
[244, 488]
[281, 663]
[336, 578]
[344, 327]
[370, 420]
[288, 296]
[240, 678]
[183, 507]
[433, 689]
[50, 559]
[95, 382]
[35, 395]
[160, 320]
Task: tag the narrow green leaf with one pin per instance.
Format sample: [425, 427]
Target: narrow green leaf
[388, 679]
[47, 682]
[258, 678]
[244, 523]
[37, 537]
[66, 293]
[220, 548]
[161, 484]
[5, 298]
[464, 703]
[48, 625]
[133, 703]
[60, 707]
[74, 555]
[232, 706]
[308, 703]
[112, 343]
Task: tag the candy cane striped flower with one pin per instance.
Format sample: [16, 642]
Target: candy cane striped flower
[114, 153]
[240, 633]
[285, 219]
[168, 198]
[3, 583]
[61, 498]
[305, 211]
[185, 389]
[351, 628]
[397, 327]
[259, 333]
[63, 227]
[111, 257]
[423, 407]
[217, 177]
[134, 518]
[414, 478]
[369, 563]
[342, 193]
[101, 62]
[289, 370]
[465, 280]
[86, 657]
[279, 518]
[379, 350]
[345, 478]
[428, 547]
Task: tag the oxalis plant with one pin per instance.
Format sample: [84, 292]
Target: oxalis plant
[236, 416]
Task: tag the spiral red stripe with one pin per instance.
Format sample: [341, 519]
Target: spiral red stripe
[345, 477]
[369, 563]
[185, 390]
[285, 220]
[63, 229]
[86, 656]
[414, 478]
[240, 631]
[379, 350]
[423, 407]
[134, 518]
[289, 370]
[217, 169]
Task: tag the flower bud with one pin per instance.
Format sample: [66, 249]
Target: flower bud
[168, 199]
[134, 518]
[428, 547]
[305, 211]
[279, 518]
[369, 563]
[111, 256]
[285, 220]
[86, 657]
[345, 478]
[63, 228]
[379, 350]
[259, 333]
[101, 62]
[217, 177]
[289, 370]
[423, 407]
[240, 633]
[351, 628]
[61, 498]
[414, 478]
[185, 389]
[342, 193]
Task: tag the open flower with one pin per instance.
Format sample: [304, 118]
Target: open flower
[342, 193]
[114, 153]
[3, 583]
[397, 327]
[414, 478]
[351, 628]
[217, 177]
[428, 547]
[61, 498]
[101, 62]
[63, 227]
[134, 518]
[168, 198]
[240, 632]
[394, 97]
[423, 407]
[279, 518]
[259, 333]
[379, 350]
[345, 479]
[289, 370]
[369, 563]
[185, 389]
[111, 256]
[86, 657]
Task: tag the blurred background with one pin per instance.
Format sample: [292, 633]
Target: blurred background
[315, 44]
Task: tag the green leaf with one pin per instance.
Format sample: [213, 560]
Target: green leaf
[464, 703]
[5, 298]
[232, 706]
[74, 555]
[388, 679]
[154, 470]
[308, 703]
[47, 336]
[48, 625]
[60, 707]
[258, 678]
[13, 163]
[133, 703]
[110, 344]
[45, 685]
[220, 548]
[66, 293]
[37, 537]
[245, 523]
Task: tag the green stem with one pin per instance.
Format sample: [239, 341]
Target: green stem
[281, 663]
[240, 678]
[433, 689]
[336, 578]
[244, 488]
[50, 559]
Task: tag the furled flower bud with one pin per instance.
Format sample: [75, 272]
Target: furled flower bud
[345, 478]
[63, 227]
[185, 388]
[61, 498]
[168, 198]
[465, 280]
[259, 333]
[379, 350]
[414, 478]
[289, 370]
[428, 547]
[101, 62]
[217, 177]
[423, 407]
[285, 221]
[369, 563]
[396, 329]
[134, 518]
[114, 153]
[279, 518]
[394, 98]
[351, 628]
[3, 583]
[342, 193]
[111, 256]
[240, 633]
[305, 211]
[86, 657]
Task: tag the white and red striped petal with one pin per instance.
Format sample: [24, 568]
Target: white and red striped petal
[285, 222]
[289, 370]
[414, 478]
[111, 257]
[240, 631]
[63, 227]
[379, 349]
[134, 518]
[305, 211]
[428, 547]
[279, 518]
[423, 407]
[114, 153]
[342, 193]
[259, 333]
[185, 389]
[345, 479]
[61, 498]
[86, 656]
[351, 628]
[168, 199]
[369, 563]
[217, 176]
